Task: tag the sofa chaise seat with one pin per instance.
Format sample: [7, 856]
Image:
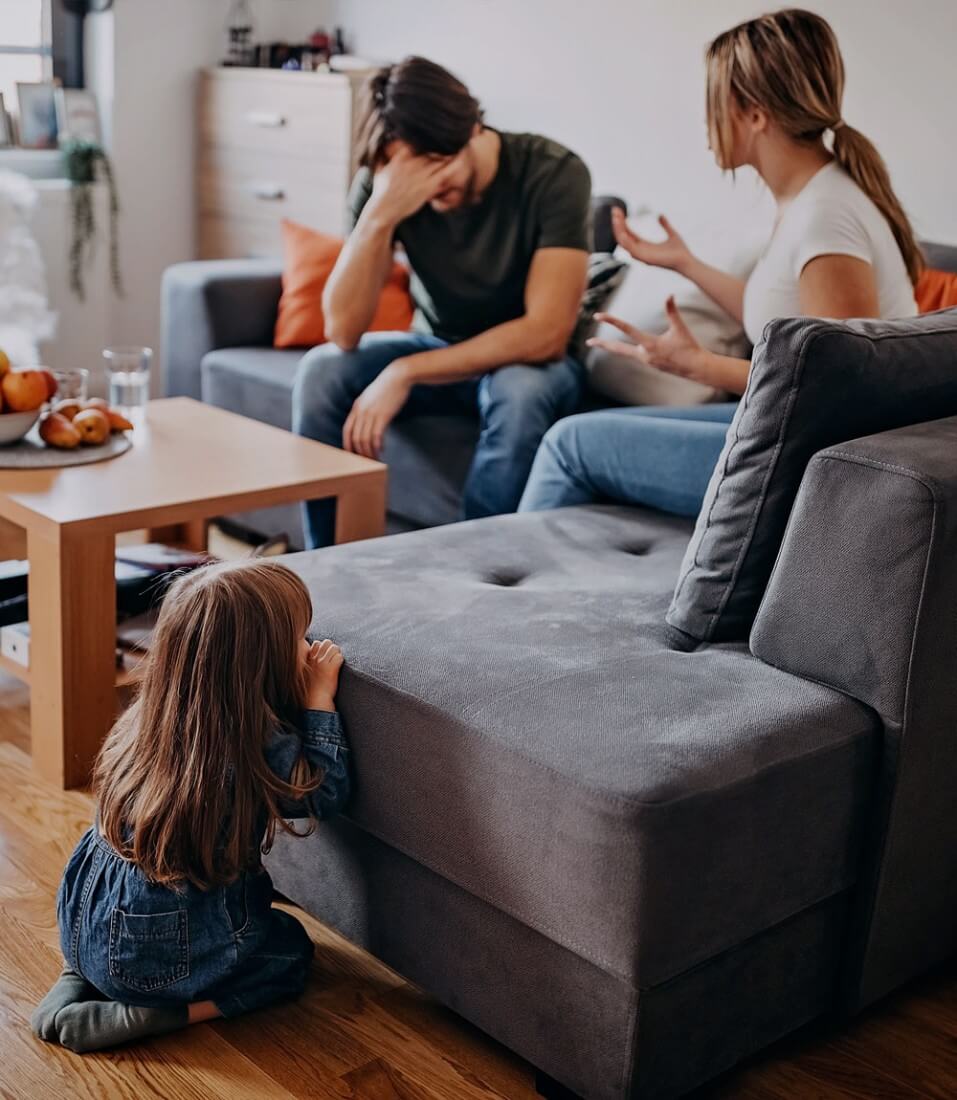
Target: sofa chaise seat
[537, 751]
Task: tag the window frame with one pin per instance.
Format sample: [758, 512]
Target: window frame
[60, 48]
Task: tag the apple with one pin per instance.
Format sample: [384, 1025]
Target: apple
[57, 431]
[51, 383]
[24, 390]
[4, 362]
[118, 422]
[68, 407]
[96, 403]
[93, 426]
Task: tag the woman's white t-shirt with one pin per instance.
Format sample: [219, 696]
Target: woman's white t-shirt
[831, 215]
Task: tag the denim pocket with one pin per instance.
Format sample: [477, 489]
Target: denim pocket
[149, 950]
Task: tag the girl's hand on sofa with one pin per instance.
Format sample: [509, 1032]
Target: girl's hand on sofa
[675, 351]
[324, 661]
[672, 252]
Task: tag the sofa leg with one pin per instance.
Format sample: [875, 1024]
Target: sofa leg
[551, 1089]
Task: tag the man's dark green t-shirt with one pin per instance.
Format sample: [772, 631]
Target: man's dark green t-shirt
[470, 266]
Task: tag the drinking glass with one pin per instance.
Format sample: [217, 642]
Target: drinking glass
[128, 369]
[72, 383]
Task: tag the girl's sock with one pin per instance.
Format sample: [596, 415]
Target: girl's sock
[70, 987]
[93, 1025]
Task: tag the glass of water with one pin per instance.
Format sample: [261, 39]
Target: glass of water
[72, 383]
[128, 369]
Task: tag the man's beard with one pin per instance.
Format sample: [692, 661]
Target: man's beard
[471, 195]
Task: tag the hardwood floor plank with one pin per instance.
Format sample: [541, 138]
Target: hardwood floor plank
[469, 1048]
[913, 1054]
[379, 1081]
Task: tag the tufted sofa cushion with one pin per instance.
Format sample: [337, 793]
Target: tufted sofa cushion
[524, 726]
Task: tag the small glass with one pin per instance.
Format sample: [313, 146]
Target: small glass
[128, 370]
[72, 383]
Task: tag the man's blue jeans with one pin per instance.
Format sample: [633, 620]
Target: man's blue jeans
[656, 456]
[516, 406]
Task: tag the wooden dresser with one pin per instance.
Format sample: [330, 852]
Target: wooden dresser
[272, 145]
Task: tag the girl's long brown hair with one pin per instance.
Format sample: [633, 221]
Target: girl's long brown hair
[789, 63]
[182, 781]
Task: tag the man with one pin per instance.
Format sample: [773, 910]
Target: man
[495, 228]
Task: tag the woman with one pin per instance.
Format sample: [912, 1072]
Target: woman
[842, 247]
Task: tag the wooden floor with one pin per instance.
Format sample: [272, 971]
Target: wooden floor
[360, 1031]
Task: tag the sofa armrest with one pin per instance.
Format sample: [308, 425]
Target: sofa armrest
[211, 304]
[864, 598]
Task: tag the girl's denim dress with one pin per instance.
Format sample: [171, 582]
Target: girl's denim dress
[145, 944]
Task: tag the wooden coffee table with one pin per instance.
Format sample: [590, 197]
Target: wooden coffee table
[189, 462]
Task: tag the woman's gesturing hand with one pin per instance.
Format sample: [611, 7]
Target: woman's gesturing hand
[672, 252]
[675, 351]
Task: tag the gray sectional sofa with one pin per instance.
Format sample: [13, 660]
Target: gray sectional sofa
[632, 856]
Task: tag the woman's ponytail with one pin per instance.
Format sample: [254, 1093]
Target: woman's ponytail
[864, 164]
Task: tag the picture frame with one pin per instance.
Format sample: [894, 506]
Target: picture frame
[6, 126]
[78, 116]
[38, 115]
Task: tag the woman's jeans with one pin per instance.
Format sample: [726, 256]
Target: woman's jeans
[656, 456]
[516, 405]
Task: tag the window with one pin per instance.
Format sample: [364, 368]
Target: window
[26, 52]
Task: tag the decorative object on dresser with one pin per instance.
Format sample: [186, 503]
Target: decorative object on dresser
[272, 145]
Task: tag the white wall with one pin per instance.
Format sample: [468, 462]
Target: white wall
[622, 83]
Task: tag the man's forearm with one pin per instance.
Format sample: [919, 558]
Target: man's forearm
[524, 340]
[352, 291]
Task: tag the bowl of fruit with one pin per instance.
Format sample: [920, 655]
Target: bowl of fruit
[22, 395]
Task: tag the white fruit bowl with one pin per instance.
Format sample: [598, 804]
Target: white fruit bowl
[14, 426]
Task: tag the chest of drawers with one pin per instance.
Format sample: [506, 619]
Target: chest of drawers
[272, 145]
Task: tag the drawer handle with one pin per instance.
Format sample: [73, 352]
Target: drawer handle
[268, 119]
[270, 192]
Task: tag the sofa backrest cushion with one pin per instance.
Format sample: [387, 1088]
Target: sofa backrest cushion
[935, 290]
[813, 384]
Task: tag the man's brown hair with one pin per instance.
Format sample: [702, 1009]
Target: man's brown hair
[420, 103]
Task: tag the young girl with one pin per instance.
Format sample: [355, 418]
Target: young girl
[165, 909]
[842, 247]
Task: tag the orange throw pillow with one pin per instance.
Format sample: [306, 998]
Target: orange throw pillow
[935, 290]
[308, 259]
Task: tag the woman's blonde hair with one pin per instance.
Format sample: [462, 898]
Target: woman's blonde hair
[789, 64]
[182, 781]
